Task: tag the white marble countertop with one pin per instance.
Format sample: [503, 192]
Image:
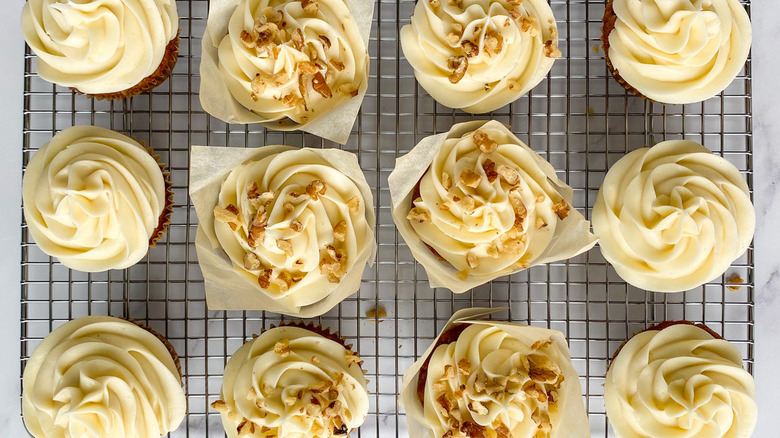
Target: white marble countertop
[766, 125]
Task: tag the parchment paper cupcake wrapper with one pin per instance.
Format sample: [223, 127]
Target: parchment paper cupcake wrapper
[573, 419]
[215, 97]
[572, 235]
[225, 288]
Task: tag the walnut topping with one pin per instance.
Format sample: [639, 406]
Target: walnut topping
[284, 280]
[470, 178]
[352, 358]
[449, 372]
[551, 49]
[478, 408]
[273, 15]
[333, 409]
[285, 246]
[220, 406]
[540, 223]
[288, 207]
[245, 428]
[296, 226]
[541, 344]
[464, 367]
[471, 48]
[325, 41]
[542, 420]
[463, 275]
[297, 39]
[340, 231]
[338, 65]
[453, 38]
[472, 260]
[494, 42]
[229, 215]
[468, 204]
[248, 39]
[473, 430]
[530, 24]
[480, 383]
[419, 215]
[532, 391]
[502, 431]
[282, 348]
[446, 182]
[484, 143]
[510, 175]
[514, 247]
[456, 3]
[490, 170]
[734, 282]
[320, 86]
[354, 204]
[291, 100]
[348, 90]
[310, 6]
[307, 67]
[458, 65]
[316, 188]
[251, 262]
[264, 279]
[333, 264]
[444, 207]
[539, 369]
[434, 3]
[445, 403]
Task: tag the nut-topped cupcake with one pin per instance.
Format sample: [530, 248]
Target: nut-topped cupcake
[293, 382]
[479, 55]
[485, 206]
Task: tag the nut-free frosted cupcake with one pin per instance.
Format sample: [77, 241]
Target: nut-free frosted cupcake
[479, 55]
[673, 217]
[486, 206]
[679, 380]
[100, 376]
[108, 49]
[95, 199]
[293, 382]
[294, 227]
[676, 51]
[494, 379]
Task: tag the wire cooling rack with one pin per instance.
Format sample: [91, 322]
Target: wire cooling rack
[578, 118]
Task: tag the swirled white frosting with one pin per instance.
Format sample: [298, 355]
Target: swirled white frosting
[502, 223]
[99, 376]
[303, 224]
[509, 47]
[672, 217]
[679, 382]
[293, 383]
[286, 64]
[679, 51]
[99, 46]
[494, 382]
[93, 198]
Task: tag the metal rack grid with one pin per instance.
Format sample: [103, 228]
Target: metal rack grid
[579, 119]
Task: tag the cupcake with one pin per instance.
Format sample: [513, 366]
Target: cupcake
[480, 55]
[476, 204]
[673, 217]
[294, 227]
[95, 199]
[283, 63]
[105, 49]
[494, 379]
[293, 382]
[101, 376]
[677, 51]
[678, 379]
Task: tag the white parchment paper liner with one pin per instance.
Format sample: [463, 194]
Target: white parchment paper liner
[572, 235]
[215, 97]
[225, 288]
[573, 419]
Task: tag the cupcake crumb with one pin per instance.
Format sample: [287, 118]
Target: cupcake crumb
[376, 314]
[734, 283]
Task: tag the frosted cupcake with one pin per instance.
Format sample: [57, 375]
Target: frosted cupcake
[105, 49]
[95, 199]
[293, 382]
[101, 376]
[673, 217]
[678, 379]
[485, 205]
[676, 51]
[479, 55]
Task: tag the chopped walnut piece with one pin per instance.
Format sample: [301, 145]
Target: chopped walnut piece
[245, 428]
[264, 279]
[229, 215]
[285, 246]
[530, 25]
[470, 178]
[490, 170]
[542, 420]
[514, 247]
[510, 175]
[348, 90]
[354, 204]
[468, 204]
[734, 282]
[453, 39]
[552, 395]
[316, 188]
[296, 226]
[473, 430]
[333, 264]
[282, 348]
[338, 65]
[446, 182]
[494, 42]
[333, 409]
[248, 39]
[561, 209]
[297, 39]
[458, 65]
[444, 207]
[419, 215]
[445, 403]
[284, 280]
[472, 260]
[539, 371]
[471, 48]
[502, 431]
[265, 34]
[273, 15]
[220, 406]
[307, 67]
[531, 389]
[484, 143]
[434, 3]
[540, 223]
[541, 344]
[376, 314]
[551, 49]
[255, 236]
[457, 3]
[463, 275]
[310, 6]
[464, 367]
[319, 85]
[449, 372]
[325, 41]
[251, 262]
[478, 408]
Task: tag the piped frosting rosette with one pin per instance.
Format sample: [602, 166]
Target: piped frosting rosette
[678, 51]
[283, 63]
[679, 382]
[99, 46]
[486, 205]
[479, 55]
[94, 198]
[296, 227]
[99, 376]
[673, 217]
[494, 379]
[291, 382]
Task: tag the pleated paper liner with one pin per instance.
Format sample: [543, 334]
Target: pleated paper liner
[607, 28]
[164, 340]
[661, 326]
[165, 216]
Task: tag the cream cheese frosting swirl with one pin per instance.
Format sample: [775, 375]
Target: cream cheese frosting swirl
[489, 380]
[291, 382]
[99, 46]
[292, 61]
[479, 55]
[679, 382]
[679, 51]
[93, 198]
[293, 225]
[486, 204]
[99, 376]
[673, 217]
